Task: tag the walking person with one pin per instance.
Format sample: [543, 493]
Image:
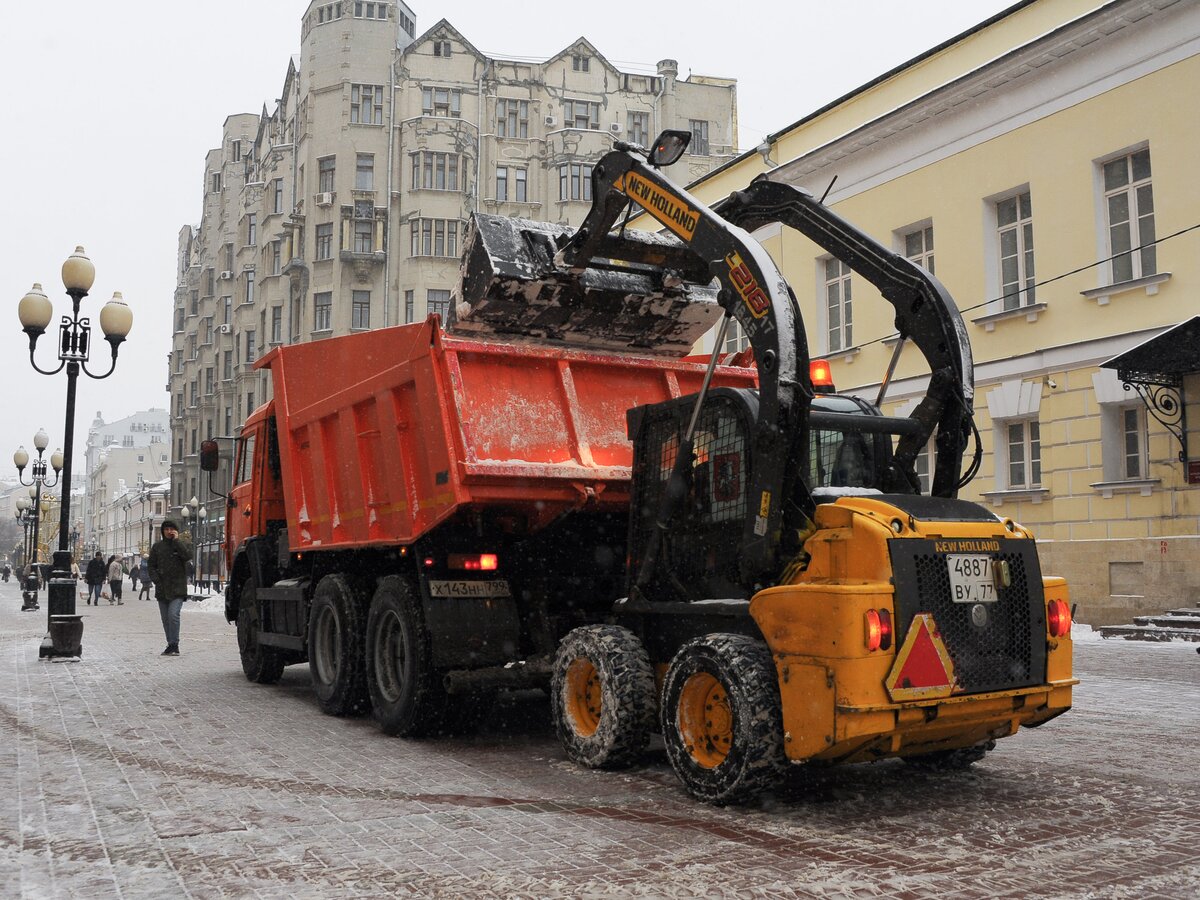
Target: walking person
[134, 574]
[169, 558]
[116, 578]
[94, 576]
[143, 570]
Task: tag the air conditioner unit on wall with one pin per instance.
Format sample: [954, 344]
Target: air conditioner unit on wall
[222, 329]
[324, 199]
[615, 127]
[551, 121]
[225, 276]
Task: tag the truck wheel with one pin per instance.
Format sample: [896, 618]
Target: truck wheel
[950, 760]
[602, 696]
[335, 648]
[406, 695]
[262, 664]
[721, 718]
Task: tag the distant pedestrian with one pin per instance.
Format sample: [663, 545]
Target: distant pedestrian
[94, 576]
[116, 579]
[134, 574]
[169, 560]
[144, 578]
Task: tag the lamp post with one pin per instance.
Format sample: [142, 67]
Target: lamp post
[195, 514]
[38, 480]
[74, 347]
[25, 517]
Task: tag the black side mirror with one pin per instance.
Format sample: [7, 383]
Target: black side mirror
[668, 147]
[210, 456]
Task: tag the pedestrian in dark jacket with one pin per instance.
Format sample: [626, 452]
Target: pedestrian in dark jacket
[94, 576]
[144, 578]
[169, 560]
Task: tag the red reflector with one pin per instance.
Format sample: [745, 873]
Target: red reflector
[821, 375]
[1058, 618]
[879, 629]
[428, 562]
[474, 562]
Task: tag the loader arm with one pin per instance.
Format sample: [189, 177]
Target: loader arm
[925, 313]
[752, 290]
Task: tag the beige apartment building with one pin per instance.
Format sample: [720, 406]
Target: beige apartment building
[343, 206]
[1042, 165]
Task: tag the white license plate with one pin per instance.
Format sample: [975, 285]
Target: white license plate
[971, 579]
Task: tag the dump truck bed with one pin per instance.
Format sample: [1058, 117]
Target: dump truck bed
[386, 434]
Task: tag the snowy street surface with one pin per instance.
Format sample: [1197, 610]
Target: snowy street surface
[129, 775]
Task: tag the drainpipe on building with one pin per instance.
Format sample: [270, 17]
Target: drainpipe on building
[668, 69]
[390, 244]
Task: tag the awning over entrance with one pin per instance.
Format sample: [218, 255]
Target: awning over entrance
[1156, 369]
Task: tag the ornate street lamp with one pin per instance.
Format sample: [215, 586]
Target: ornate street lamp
[74, 348]
[195, 514]
[25, 518]
[39, 479]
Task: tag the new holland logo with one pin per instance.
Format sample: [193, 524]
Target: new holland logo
[667, 208]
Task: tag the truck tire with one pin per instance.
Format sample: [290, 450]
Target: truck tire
[335, 648]
[721, 718]
[602, 696]
[262, 664]
[406, 694]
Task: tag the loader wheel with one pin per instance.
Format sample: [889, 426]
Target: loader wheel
[721, 718]
[950, 760]
[335, 648]
[406, 695]
[262, 664]
[602, 696]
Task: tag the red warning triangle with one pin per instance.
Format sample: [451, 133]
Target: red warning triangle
[923, 668]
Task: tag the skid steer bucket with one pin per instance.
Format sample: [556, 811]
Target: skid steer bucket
[512, 290]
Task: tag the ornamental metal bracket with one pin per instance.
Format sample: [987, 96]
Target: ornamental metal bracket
[1163, 397]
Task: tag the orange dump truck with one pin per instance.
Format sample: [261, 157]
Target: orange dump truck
[423, 517]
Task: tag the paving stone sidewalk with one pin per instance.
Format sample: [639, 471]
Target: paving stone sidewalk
[129, 775]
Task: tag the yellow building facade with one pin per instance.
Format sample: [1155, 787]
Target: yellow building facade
[1043, 167]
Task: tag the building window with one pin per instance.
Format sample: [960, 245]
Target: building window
[366, 104]
[325, 241]
[574, 182]
[277, 186]
[435, 237]
[360, 311]
[227, 307]
[369, 10]
[637, 128]
[512, 118]
[511, 184]
[214, 182]
[442, 49]
[435, 171]
[409, 311]
[179, 314]
[1014, 224]
[1133, 437]
[276, 257]
[194, 309]
[581, 63]
[236, 148]
[228, 251]
[581, 114]
[227, 367]
[249, 409]
[209, 378]
[1024, 454]
[735, 338]
[441, 102]
[699, 130]
[918, 246]
[1129, 213]
[249, 286]
[364, 226]
[228, 420]
[325, 172]
[192, 346]
[364, 172]
[251, 345]
[438, 302]
[839, 309]
[251, 230]
[409, 26]
[276, 324]
[194, 393]
[323, 311]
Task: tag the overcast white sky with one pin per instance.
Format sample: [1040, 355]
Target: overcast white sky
[112, 106]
